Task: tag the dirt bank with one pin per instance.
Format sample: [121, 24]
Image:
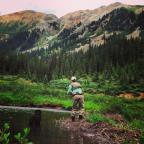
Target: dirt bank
[46, 106]
[102, 132]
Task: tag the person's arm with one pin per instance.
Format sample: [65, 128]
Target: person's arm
[69, 89]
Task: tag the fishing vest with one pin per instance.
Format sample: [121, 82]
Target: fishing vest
[76, 88]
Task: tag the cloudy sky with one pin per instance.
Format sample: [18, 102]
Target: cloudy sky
[58, 7]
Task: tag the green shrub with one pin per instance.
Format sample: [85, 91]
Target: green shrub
[20, 137]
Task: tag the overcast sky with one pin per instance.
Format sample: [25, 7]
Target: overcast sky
[57, 7]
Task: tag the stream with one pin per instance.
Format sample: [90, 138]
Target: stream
[43, 124]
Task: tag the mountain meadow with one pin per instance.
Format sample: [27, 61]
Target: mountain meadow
[103, 48]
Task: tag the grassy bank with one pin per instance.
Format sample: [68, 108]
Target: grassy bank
[15, 90]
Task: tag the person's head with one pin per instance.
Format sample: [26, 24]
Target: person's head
[73, 78]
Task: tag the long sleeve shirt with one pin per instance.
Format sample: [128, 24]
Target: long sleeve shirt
[74, 88]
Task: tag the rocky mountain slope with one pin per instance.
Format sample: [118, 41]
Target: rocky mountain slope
[87, 16]
[29, 31]
[95, 26]
[21, 30]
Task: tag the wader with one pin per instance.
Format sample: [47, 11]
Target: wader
[78, 106]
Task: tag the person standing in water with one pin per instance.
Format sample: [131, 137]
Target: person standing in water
[75, 91]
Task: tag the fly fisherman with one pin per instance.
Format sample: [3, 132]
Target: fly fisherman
[75, 91]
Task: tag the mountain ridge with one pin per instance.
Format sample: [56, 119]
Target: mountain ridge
[40, 30]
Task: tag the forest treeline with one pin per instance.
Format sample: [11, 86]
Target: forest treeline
[118, 59]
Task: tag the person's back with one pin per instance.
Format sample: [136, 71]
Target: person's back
[76, 88]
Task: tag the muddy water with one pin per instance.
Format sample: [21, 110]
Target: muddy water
[43, 125]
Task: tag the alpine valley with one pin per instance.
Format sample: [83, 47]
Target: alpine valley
[103, 48]
[107, 41]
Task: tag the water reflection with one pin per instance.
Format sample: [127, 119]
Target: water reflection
[35, 120]
[35, 123]
[43, 126]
